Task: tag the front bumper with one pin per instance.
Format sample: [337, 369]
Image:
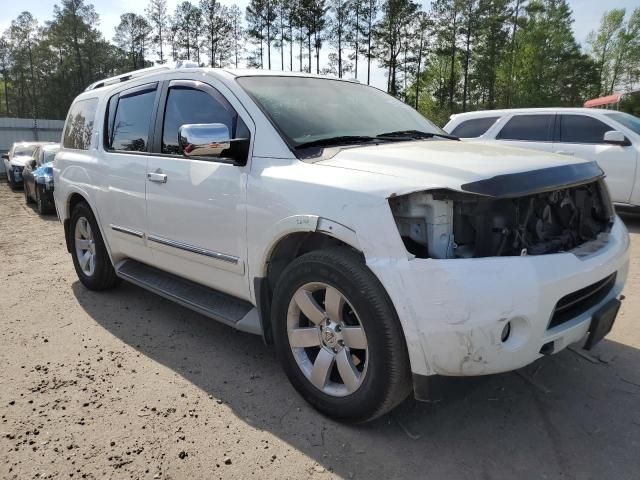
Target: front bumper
[16, 173]
[453, 312]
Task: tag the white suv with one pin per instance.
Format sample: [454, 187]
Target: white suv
[610, 138]
[373, 250]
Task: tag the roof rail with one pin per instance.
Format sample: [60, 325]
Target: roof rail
[140, 73]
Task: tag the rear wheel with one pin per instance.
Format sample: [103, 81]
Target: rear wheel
[90, 257]
[338, 336]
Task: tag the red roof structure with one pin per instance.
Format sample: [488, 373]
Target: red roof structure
[602, 101]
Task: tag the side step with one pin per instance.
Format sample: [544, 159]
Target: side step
[207, 301]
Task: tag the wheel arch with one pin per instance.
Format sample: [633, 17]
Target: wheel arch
[74, 198]
[297, 235]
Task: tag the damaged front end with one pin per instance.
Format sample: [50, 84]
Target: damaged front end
[531, 213]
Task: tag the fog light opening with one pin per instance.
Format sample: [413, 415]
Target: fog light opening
[506, 332]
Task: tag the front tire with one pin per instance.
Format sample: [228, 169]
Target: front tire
[27, 198]
[10, 181]
[338, 336]
[90, 257]
[40, 202]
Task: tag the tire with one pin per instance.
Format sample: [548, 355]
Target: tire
[40, 202]
[98, 273]
[27, 198]
[379, 374]
[10, 181]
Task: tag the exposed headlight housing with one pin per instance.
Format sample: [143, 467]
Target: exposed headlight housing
[449, 224]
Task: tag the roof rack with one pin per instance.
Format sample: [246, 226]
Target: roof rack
[140, 73]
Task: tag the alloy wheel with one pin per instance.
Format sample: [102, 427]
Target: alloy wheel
[327, 339]
[85, 246]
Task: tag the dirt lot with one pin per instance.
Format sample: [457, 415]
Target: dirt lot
[125, 384]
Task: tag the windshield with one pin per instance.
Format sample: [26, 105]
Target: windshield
[50, 154]
[24, 150]
[306, 110]
[629, 121]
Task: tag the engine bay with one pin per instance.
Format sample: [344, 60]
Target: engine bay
[449, 224]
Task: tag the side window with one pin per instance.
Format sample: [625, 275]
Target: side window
[532, 128]
[474, 127]
[129, 127]
[188, 106]
[582, 129]
[79, 125]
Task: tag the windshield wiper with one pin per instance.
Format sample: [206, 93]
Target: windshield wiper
[344, 139]
[415, 134]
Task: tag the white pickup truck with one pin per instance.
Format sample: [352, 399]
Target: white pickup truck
[375, 251]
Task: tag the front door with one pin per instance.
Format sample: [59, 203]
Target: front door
[582, 136]
[196, 210]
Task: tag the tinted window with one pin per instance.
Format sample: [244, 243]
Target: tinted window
[474, 127]
[50, 155]
[132, 119]
[629, 121]
[188, 106]
[582, 129]
[533, 128]
[21, 151]
[79, 126]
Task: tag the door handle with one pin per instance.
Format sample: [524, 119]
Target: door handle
[157, 177]
[564, 152]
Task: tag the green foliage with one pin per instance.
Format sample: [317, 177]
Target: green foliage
[454, 56]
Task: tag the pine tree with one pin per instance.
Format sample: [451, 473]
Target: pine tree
[158, 17]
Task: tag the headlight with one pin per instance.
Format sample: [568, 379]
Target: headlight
[448, 224]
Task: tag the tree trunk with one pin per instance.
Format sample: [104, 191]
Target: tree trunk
[466, 65]
[512, 54]
[453, 59]
[418, 69]
[356, 39]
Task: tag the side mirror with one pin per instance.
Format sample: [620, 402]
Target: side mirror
[614, 137]
[212, 140]
[5, 156]
[32, 163]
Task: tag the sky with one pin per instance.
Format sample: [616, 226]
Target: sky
[587, 15]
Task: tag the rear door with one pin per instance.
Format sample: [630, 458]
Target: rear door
[127, 143]
[582, 136]
[528, 130]
[196, 208]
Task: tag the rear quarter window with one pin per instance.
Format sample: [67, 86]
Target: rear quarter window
[474, 127]
[79, 125]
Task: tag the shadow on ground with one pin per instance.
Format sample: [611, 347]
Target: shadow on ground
[572, 415]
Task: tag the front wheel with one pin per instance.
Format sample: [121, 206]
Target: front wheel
[27, 197]
[338, 336]
[41, 203]
[90, 257]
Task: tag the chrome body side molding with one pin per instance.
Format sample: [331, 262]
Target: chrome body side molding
[128, 231]
[193, 249]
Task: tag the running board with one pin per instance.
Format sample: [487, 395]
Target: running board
[207, 301]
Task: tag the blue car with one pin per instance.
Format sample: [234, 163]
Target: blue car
[38, 177]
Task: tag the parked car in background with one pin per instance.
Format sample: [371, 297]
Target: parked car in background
[608, 137]
[374, 250]
[38, 177]
[15, 159]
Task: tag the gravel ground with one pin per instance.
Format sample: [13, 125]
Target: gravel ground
[124, 384]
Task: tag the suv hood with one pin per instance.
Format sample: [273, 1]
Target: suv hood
[20, 161]
[479, 167]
